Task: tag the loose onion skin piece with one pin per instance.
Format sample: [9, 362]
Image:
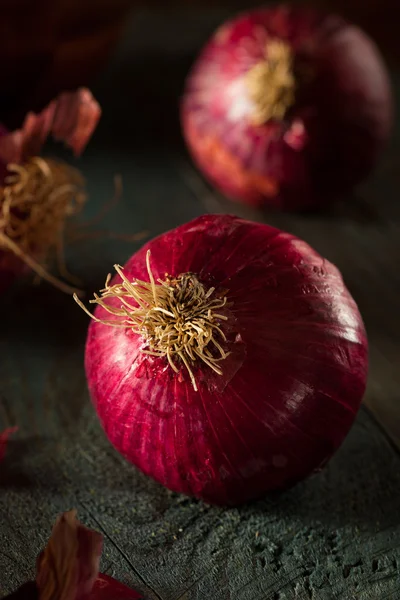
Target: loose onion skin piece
[290, 388]
[71, 118]
[40, 195]
[68, 567]
[326, 142]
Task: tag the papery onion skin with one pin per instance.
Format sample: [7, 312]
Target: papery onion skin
[72, 118]
[68, 567]
[107, 588]
[275, 417]
[28, 591]
[69, 564]
[329, 140]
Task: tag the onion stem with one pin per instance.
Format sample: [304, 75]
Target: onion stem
[271, 83]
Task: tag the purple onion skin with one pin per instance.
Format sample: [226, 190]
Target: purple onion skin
[291, 387]
[329, 140]
[105, 588]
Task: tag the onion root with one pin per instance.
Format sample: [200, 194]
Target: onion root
[177, 317]
[35, 202]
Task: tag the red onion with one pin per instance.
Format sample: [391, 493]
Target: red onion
[68, 568]
[29, 231]
[237, 360]
[287, 107]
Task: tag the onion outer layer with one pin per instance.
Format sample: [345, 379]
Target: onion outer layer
[290, 388]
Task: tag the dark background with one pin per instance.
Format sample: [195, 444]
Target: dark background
[48, 45]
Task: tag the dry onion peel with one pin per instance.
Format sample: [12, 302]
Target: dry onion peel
[239, 372]
[71, 118]
[38, 195]
[68, 567]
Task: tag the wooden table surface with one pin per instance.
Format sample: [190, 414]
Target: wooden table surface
[335, 536]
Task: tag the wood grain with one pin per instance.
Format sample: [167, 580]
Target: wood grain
[335, 536]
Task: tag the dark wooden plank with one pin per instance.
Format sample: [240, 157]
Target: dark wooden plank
[334, 536]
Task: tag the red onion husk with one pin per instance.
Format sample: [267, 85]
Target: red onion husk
[328, 140]
[4, 437]
[70, 118]
[68, 568]
[290, 387]
[69, 565]
[107, 588]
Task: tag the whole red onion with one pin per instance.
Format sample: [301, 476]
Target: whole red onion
[287, 107]
[237, 362]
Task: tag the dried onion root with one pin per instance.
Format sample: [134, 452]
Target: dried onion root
[35, 202]
[271, 83]
[178, 318]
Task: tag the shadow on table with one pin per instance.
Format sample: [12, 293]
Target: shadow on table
[14, 472]
[359, 486]
[42, 316]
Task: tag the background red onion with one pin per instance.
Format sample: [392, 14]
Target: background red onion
[290, 389]
[328, 140]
